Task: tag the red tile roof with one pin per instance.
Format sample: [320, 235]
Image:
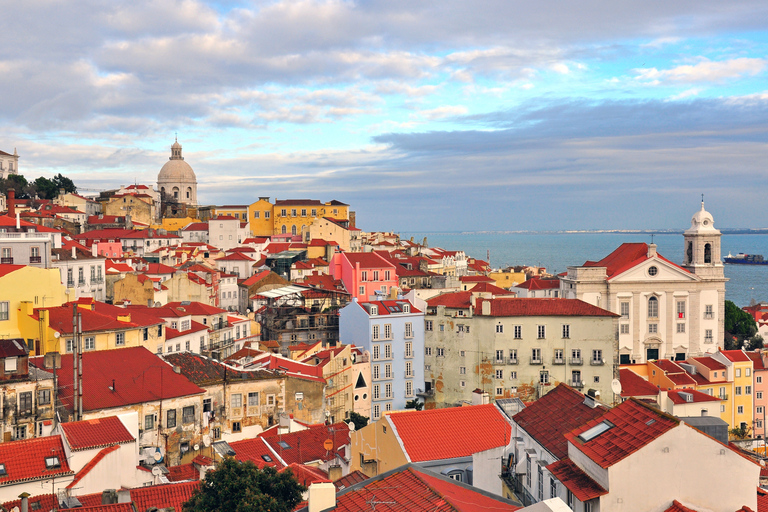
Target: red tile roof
[539, 284]
[367, 260]
[625, 257]
[42, 502]
[307, 445]
[7, 269]
[183, 472]
[388, 307]
[410, 489]
[634, 385]
[114, 507]
[476, 279]
[698, 396]
[737, 356]
[450, 432]
[136, 373]
[550, 417]
[25, 459]
[456, 300]
[92, 464]
[635, 424]
[195, 308]
[757, 360]
[96, 433]
[355, 477]
[163, 496]
[541, 307]
[679, 507]
[710, 362]
[581, 485]
[307, 475]
[257, 451]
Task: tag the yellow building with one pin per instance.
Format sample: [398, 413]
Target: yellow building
[507, 279]
[21, 286]
[104, 327]
[237, 211]
[260, 217]
[290, 216]
[740, 369]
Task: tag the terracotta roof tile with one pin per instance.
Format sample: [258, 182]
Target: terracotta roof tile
[698, 396]
[25, 459]
[634, 385]
[307, 445]
[355, 477]
[581, 485]
[539, 284]
[542, 307]
[95, 433]
[678, 507]
[183, 472]
[307, 475]
[710, 362]
[450, 432]
[257, 451]
[550, 417]
[367, 260]
[625, 257]
[634, 425]
[163, 496]
[457, 300]
[737, 356]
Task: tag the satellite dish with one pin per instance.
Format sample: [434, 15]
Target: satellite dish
[157, 456]
[196, 447]
[207, 440]
[616, 386]
[157, 471]
[351, 426]
[56, 334]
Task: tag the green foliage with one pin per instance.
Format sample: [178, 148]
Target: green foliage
[42, 187]
[15, 182]
[740, 328]
[358, 420]
[740, 433]
[414, 404]
[242, 487]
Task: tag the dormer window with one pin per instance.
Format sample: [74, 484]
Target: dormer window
[374, 310]
[406, 308]
[52, 463]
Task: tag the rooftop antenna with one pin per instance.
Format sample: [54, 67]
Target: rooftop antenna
[177, 136]
[372, 502]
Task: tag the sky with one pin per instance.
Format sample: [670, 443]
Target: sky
[438, 115]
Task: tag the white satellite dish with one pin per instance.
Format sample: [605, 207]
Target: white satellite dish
[56, 334]
[207, 440]
[157, 456]
[351, 426]
[157, 471]
[616, 386]
[196, 447]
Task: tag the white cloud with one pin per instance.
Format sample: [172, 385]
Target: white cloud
[705, 71]
[443, 112]
[685, 94]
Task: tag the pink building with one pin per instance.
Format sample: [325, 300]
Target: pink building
[365, 275]
[760, 386]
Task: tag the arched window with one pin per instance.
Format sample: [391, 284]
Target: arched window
[707, 253]
[189, 192]
[284, 230]
[690, 252]
[653, 307]
[293, 229]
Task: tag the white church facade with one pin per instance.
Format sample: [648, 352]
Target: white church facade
[667, 311]
[176, 180]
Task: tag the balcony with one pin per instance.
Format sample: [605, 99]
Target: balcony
[499, 361]
[512, 360]
[576, 383]
[709, 339]
[558, 360]
[7, 261]
[35, 259]
[724, 396]
[709, 316]
[577, 361]
[70, 283]
[408, 375]
[535, 360]
[597, 362]
[97, 280]
[81, 282]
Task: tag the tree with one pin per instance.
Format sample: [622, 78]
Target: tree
[740, 328]
[236, 486]
[414, 404]
[358, 420]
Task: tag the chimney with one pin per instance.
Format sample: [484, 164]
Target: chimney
[321, 496]
[74, 252]
[18, 221]
[11, 203]
[124, 496]
[108, 497]
[651, 250]
[24, 501]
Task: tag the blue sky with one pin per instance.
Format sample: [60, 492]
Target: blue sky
[434, 115]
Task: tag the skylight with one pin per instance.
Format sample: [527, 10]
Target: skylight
[283, 445]
[52, 462]
[3, 472]
[266, 458]
[595, 431]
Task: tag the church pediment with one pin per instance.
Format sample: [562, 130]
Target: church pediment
[654, 269]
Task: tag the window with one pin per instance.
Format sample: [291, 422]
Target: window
[236, 400]
[536, 356]
[89, 343]
[462, 353]
[759, 410]
[653, 307]
[624, 309]
[236, 426]
[708, 336]
[388, 351]
[376, 375]
[25, 402]
[513, 356]
[388, 391]
[566, 331]
[408, 388]
[462, 370]
[652, 271]
[4, 310]
[740, 409]
[552, 488]
[653, 328]
[759, 395]
[518, 332]
[427, 351]
[559, 355]
[408, 330]
[624, 328]
[499, 391]
[376, 350]
[540, 475]
[544, 378]
[256, 214]
[376, 391]
[376, 412]
[738, 372]
[512, 375]
[293, 212]
[569, 499]
[680, 328]
[375, 275]
[738, 391]
[409, 349]
[681, 309]
[499, 374]
[597, 357]
[20, 432]
[541, 331]
[408, 369]
[145, 333]
[303, 212]
[709, 312]
[119, 340]
[375, 335]
[267, 214]
[440, 352]
[149, 422]
[170, 418]
[11, 364]
[442, 327]
[499, 328]
[314, 212]
[747, 390]
[44, 397]
[188, 414]
[187, 346]
[499, 356]
[528, 470]
[388, 371]
[207, 405]
[387, 331]
[364, 277]
[428, 325]
[253, 399]
[748, 372]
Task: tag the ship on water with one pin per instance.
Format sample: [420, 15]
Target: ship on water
[745, 259]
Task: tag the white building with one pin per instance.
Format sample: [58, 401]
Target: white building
[9, 164]
[176, 179]
[667, 311]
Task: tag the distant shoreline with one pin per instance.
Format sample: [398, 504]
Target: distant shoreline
[724, 231]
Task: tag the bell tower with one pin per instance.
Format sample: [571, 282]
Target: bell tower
[701, 254]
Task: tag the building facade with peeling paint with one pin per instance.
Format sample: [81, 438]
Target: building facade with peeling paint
[510, 347]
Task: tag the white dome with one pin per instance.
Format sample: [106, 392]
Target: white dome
[176, 171]
[702, 222]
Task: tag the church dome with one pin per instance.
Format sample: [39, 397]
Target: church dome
[176, 170]
[702, 222]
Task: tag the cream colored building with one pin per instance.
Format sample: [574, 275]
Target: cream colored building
[667, 310]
